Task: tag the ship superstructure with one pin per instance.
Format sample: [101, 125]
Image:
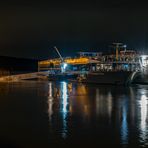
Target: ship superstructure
[120, 67]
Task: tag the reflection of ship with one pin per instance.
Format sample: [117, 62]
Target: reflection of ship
[121, 67]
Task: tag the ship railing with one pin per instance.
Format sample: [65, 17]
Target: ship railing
[115, 70]
[117, 62]
[76, 72]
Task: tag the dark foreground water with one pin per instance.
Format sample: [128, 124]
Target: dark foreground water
[45, 114]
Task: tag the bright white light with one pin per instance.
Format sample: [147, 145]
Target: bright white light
[144, 57]
[64, 65]
[124, 46]
[64, 97]
[50, 90]
[64, 109]
[144, 60]
[50, 102]
[143, 104]
[143, 123]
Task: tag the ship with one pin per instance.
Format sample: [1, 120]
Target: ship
[119, 68]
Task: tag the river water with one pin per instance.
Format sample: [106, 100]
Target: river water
[46, 114]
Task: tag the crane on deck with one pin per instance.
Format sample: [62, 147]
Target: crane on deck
[63, 63]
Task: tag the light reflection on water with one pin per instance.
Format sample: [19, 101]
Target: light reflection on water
[144, 119]
[104, 103]
[116, 106]
[40, 113]
[58, 95]
[50, 101]
[124, 124]
[64, 108]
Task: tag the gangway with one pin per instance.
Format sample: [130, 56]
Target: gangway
[26, 76]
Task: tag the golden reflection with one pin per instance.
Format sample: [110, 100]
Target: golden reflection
[57, 92]
[79, 103]
[83, 100]
[104, 103]
[70, 88]
[81, 89]
[50, 101]
[70, 109]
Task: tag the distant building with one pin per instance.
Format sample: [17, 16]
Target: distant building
[12, 65]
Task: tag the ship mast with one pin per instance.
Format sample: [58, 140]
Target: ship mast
[117, 46]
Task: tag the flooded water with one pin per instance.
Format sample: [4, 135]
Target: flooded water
[47, 114]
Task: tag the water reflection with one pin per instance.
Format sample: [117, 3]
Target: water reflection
[50, 101]
[82, 100]
[104, 103]
[76, 107]
[58, 107]
[78, 114]
[124, 124]
[144, 119]
[64, 108]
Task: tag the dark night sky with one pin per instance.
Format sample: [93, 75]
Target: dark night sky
[32, 28]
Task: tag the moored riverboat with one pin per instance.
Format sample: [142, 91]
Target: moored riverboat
[121, 67]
